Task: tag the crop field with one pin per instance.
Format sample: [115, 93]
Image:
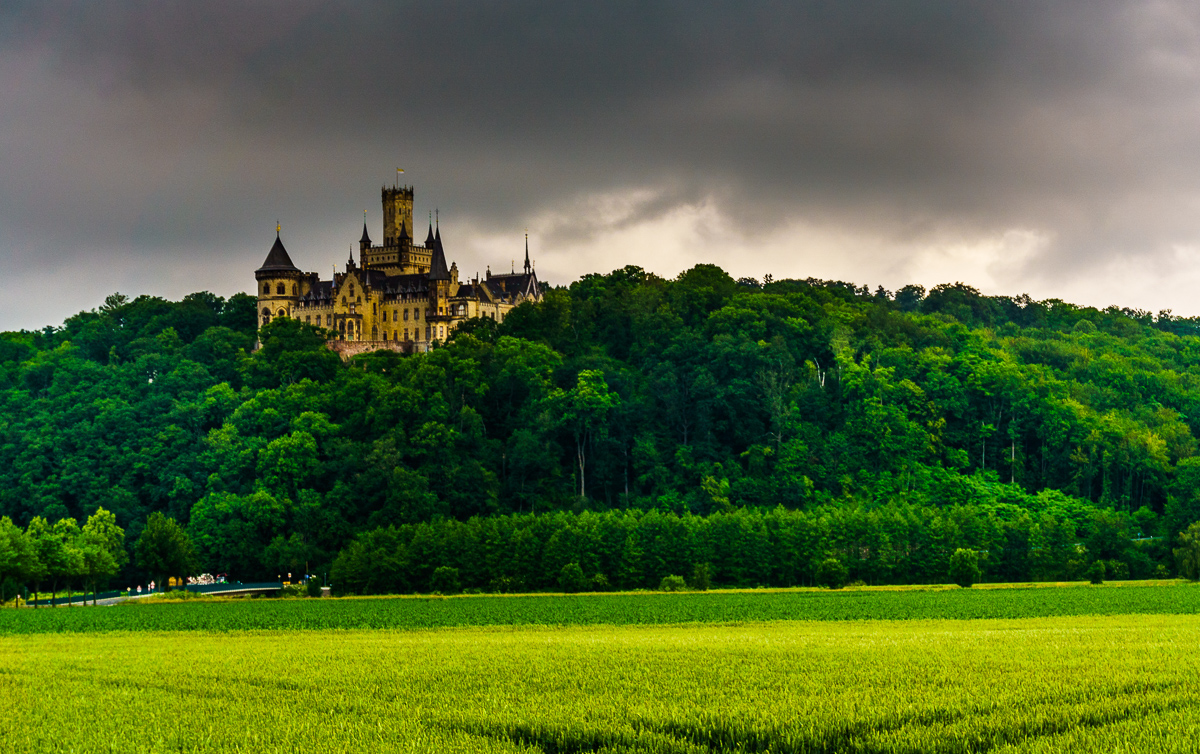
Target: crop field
[1099, 683]
[611, 609]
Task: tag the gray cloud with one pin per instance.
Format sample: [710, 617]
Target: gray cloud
[159, 136]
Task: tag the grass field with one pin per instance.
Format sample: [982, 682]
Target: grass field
[1103, 683]
[650, 608]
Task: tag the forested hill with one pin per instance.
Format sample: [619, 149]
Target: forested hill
[697, 395]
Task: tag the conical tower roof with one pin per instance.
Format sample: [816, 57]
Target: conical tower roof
[366, 237]
[278, 259]
[437, 263]
[429, 238]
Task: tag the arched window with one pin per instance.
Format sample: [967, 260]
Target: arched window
[266, 289]
[280, 290]
[343, 300]
[282, 313]
[294, 289]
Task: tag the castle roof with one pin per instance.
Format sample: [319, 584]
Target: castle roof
[278, 259]
[429, 238]
[437, 262]
[366, 238]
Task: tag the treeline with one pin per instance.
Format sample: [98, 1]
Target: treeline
[890, 544]
[66, 555]
[697, 396]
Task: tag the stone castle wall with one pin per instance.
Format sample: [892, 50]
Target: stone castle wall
[348, 348]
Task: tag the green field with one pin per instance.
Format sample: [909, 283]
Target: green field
[1070, 668]
[649, 608]
[1051, 684]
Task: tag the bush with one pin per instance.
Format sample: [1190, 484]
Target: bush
[572, 580]
[1116, 570]
[1161, 572]
[964, 567]
[445, 581]
[701, 577]
[505, 585]
[313, 588]
[1095, 572]
[832, 574]
[600, 583]
[1187, 555]
[672, 584]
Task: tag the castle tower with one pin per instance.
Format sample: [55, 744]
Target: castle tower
[397, 214]
[278, 282]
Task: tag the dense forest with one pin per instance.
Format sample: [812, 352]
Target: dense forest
[633, 425]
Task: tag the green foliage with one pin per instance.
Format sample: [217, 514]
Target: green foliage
[1187, 555]
[1095, 572]
[571, 579]
[832, 574]
[964, 567]
[445, 581]
[312, 587]
[903, 424]
[164, 549]
[701, 577]
[672, 583]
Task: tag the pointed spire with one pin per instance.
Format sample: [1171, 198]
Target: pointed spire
[527, 267]
[429, 238]
[437, 261]
[277, 258]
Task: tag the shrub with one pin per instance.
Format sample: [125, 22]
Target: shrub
[701, 577]
[672, 584]
[832, 574]
[1116, 570]
[964, 567]
[505, 585]
[571, 579]
[1095, 572]
[313, 588]
[445, 580]
[1161, 572]
[1187, 555]
[600, 583]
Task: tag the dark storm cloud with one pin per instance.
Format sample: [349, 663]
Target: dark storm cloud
[177, 130]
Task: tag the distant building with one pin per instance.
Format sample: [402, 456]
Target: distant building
[399, 295]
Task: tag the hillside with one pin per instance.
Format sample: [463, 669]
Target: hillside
[702, 398]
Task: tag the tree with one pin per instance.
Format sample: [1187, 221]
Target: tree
[964, 567]
[103, 548]
[571, 579]
[445, 580]
[164, 549]
[18, 561]
[832, 574]
[1187, 555]
[583, 410]
[1095, 572]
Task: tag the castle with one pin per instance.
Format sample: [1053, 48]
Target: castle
[399, 295]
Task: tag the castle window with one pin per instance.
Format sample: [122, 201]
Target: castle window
[279, 289]
[343, 300]
[406, 315]
[282, 312]
[307, 320]
[294, 290]
[352, 289]
[329, 319]
[266, 289]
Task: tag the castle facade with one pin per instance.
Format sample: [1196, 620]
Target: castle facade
[400, 295]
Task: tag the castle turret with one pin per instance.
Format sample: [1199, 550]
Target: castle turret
[364, 243]
[278, 283]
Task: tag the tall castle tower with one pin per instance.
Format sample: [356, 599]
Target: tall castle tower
[397, 215]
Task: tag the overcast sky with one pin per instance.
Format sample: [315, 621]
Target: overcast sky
[1049, 148]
